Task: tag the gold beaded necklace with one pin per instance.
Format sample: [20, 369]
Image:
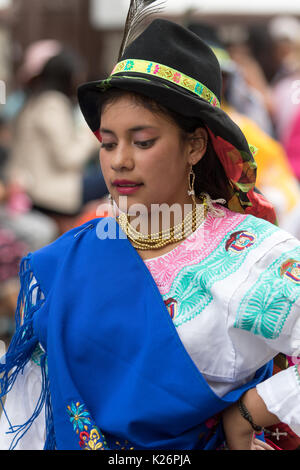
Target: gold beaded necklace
[163, 238]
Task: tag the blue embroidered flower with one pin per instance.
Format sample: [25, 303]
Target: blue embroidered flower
[79, 417]
[129, 65]
[149, 67]
[199, 89]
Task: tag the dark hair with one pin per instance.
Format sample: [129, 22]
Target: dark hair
[210, 174]
[60, 73]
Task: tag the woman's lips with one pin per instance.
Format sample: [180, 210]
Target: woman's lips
[127, 190]
[126, 187]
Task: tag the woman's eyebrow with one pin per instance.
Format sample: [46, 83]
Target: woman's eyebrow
[132, 129]
[106, 131]
[141, 128]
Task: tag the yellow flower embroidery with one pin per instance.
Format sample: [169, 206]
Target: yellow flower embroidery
[93, 443]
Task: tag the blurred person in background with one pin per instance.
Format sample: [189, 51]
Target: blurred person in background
[16, 214]
[291, 144]
[21, 229]
[50, 149]
[12, 250]
[275, 176]
[243, 93]
[286, 86]
[285, 33]
[250, 80]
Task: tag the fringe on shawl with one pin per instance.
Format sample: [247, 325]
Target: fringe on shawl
[20, 351]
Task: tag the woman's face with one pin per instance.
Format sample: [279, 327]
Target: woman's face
[143, 155]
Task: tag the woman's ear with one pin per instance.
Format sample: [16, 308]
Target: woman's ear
[197, 145]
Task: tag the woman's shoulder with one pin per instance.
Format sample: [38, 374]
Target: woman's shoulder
[52, 95]
[223, 222]
[247, 238]
[48, 100]
[258, 223]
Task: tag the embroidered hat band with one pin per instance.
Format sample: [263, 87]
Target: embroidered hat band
[167, 73]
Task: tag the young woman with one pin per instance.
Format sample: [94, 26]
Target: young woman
[139, 338]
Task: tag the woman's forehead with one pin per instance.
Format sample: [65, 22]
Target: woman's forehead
[127, 103]
[127, 112]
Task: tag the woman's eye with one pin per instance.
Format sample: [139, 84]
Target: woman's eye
[107, 146]
[145, 144]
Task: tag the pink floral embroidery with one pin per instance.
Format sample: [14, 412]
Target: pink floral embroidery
[194, 249]
[156, 70]
[176, 77]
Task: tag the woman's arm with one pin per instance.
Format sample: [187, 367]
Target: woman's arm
[266, 306]
[239, 432]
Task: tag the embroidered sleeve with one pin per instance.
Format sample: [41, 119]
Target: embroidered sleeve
[267, 305]
[281, 394]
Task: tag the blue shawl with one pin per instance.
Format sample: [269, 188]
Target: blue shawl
[115, 373]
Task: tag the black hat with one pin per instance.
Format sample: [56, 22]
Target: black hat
[172, 65]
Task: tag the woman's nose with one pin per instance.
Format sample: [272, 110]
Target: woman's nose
[122, 158]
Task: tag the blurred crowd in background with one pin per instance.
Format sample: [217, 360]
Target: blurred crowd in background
[50, 178]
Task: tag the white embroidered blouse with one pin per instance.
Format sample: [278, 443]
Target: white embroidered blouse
[232, 289]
